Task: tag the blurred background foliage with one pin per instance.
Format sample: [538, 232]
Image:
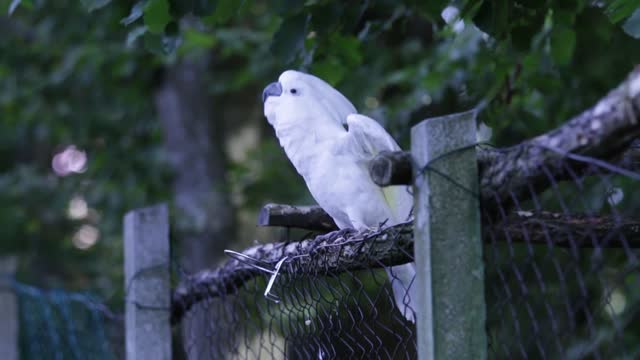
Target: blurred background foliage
[81, 143]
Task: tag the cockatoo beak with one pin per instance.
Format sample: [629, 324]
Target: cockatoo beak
[273, 89]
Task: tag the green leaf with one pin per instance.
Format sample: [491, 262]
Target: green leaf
[288, 41]
[156, 15]
[225, 10]
[632, 25]
[194, 39]
[620, 9]
[136, 12]
[563, 43]
[92, 5]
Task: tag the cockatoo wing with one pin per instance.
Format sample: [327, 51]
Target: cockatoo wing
[368, 138]
[333, 102]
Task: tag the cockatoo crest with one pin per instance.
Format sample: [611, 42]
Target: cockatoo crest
[300, 92]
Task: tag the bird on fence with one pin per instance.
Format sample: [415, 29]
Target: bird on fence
[330, 145]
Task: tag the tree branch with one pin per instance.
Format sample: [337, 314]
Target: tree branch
[300, 217]
[604, 131]
[391, 168]
[581, 231]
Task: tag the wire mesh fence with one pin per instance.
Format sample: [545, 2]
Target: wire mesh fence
[55, 324]
[329, 299]
[562, 264]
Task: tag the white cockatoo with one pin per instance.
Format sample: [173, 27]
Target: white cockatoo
[330, 145]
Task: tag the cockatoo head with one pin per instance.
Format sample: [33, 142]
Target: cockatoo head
[299, 97]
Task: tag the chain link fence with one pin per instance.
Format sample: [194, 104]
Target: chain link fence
[563, 277]
[331, 298]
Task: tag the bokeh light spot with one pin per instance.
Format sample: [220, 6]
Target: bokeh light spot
[68, 161]
[85, 237]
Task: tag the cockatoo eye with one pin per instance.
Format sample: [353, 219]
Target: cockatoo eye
[294, 91]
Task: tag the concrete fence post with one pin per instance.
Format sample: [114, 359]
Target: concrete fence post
[148, 290]
[448, 244]
[9, 320]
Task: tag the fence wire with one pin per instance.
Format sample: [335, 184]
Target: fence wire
[326, 302]
[562, 270]
[562, 281]
[60, 325]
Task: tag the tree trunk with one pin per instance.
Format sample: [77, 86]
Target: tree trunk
[204, 218]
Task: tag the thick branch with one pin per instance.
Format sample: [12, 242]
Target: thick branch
[391, 168]
[604, 131]
[394, 167]
[532, 226]
[339, 251]
[300, 217]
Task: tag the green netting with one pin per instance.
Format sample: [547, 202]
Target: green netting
[55, 324]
